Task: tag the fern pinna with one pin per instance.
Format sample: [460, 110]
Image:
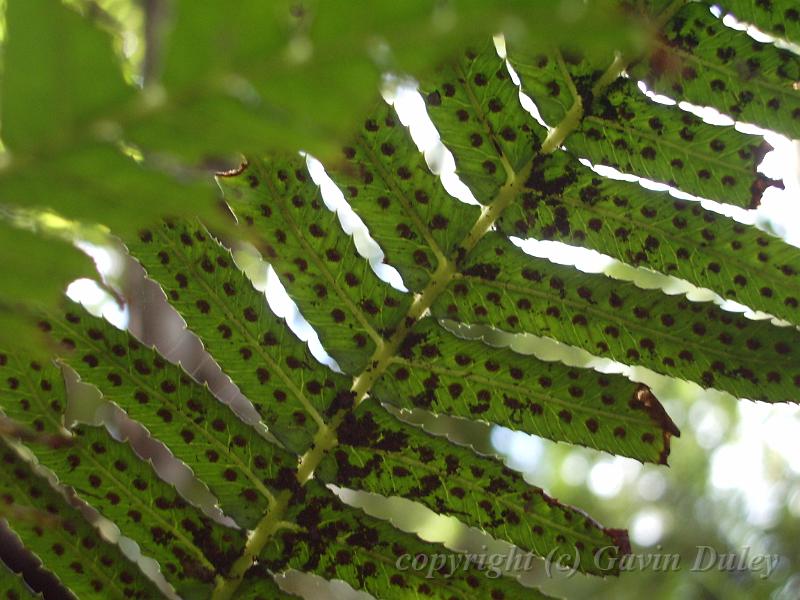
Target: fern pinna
[397, 350]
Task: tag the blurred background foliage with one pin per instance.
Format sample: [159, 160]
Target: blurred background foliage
[190, 93]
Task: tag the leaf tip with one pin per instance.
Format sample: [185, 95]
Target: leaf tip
[620, 539]
[644, 398]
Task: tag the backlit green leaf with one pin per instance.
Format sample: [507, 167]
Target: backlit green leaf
[780, 18]
[50, 264]
[13, 586]
[288, 387]
[568, 202]
[77, 183]
[506, 288]
[439, 372]
[189, 547]
[699, 60]
[72, 549]
[334, 287]
[387, 182]
[341, 542]
[268, 65]
[241, 468]
[59, 75]
[258, 584]
[378, 453]
[475, 107]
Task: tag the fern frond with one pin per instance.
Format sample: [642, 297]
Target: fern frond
[780, 18]
[51, 265]
[334, 287]
[262, 204]
[13, 586]
[474, 107]
[703, 62]
[259, 584]
[347, 429]
[202, 253]
[386, 180]
[73, 550]
[568, 202]
[467, 378]
[190, 547]
[241, 469]
[256, 349]
[371, 555]
[380, 454]
[623, 129]
[503, 287]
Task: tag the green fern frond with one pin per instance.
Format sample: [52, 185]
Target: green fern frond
[382, 455]
[701, 61]
[344, 427]
[386, 180]
[13, 586]
[780, 18]
[334, 287]
[570, 203]
[86, 564]
[622, 128]
[240, 468]
[190, 547]
[439, 372]
[373, 556]
[288, 388]
[504, 287]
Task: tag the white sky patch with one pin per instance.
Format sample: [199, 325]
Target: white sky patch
[523, 451]
[108, 262]
[709, 115]
[589, 261]
[500, 45]
[91, 295]
[606, 479]
[647, 527]
[753, 32]
[778, 428]
[657, 98]
[575, 468]
[742, 465]
[282, 305]
[710, 422]
[98, 301]
[651, 485]
[410, 108]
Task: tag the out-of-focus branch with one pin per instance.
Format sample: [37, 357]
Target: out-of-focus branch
[155, 13]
